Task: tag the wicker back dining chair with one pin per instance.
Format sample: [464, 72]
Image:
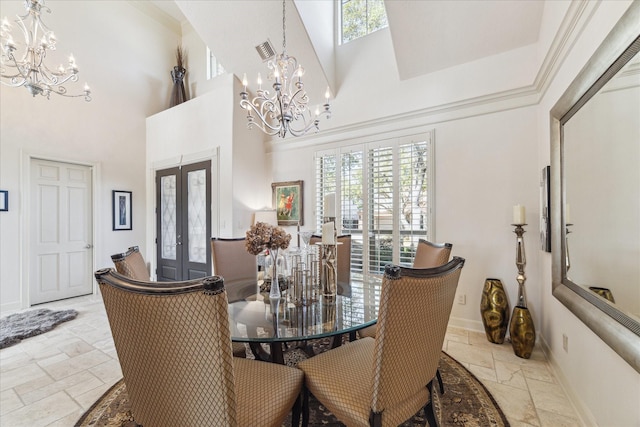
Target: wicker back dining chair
[430, 254]
[131, 264]
[174, 347]
[386, 380]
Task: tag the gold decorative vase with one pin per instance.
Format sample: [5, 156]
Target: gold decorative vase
[523, 333]
[604, 293]
[494, 309]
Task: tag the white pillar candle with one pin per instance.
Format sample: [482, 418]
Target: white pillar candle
[519, 216]
[328, 237]
[330, 205]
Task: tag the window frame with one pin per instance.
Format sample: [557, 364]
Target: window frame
[367, 31]
[366, 228]
[214, 67]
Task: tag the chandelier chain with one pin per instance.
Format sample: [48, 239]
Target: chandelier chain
[284, 28]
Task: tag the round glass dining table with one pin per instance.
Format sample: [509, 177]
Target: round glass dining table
[255, 319]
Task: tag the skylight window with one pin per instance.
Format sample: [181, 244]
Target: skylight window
[361, 17]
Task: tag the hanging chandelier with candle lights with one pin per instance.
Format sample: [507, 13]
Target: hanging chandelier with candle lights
[24, 65]
[286, 110]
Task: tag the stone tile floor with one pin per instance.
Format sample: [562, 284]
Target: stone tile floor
[53, 378]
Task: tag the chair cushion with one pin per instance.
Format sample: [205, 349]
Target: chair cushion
[369, 331]
[265, 391]
[342, 380]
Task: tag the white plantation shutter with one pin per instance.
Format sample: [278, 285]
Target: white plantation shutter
[414, 160]
[381, 208]
[326, 169]
[352, 203]
[385, 197]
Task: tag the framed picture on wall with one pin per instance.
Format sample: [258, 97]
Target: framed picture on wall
[288, 201]
[4, 200]
[545, 203]
[121, 210]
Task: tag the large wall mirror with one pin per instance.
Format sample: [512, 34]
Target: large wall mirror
[595, 161]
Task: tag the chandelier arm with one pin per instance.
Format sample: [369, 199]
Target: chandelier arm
[300, 97]
[262, 126]
[15, 65]
[264, 129]
[51, 77]
[306, 129]
[263, 107]
[263, 123]
[25, 31]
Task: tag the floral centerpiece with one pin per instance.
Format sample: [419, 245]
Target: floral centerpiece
[263, 236]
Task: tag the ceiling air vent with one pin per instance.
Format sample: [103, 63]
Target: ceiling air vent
[266, 50]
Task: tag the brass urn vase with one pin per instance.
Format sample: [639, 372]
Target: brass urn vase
[523, 333]
[604, 293]
[494, 309]
[521, 330]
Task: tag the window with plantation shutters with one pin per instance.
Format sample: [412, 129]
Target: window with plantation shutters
[325, 183]
[381, 208]
[414, 162]
[384, 192]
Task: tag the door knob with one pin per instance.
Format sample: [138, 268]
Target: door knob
[89, 246]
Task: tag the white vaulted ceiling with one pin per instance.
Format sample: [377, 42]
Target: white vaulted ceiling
[427, 35]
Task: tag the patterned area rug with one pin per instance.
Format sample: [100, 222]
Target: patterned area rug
[19, 326]
[466, 402]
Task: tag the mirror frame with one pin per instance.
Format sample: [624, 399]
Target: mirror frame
[620, 331]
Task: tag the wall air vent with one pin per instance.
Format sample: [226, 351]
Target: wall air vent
[266, 50]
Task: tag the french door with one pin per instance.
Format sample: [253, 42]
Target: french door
[183, 218]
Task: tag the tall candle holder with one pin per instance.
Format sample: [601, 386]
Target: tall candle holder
[567, 259]
[521, 262]
[329, 270]
[522, 330]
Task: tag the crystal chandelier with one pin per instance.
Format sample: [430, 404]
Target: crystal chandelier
[27, 68]
[287, 109]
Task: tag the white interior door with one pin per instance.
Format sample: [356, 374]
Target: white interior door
[61, 231]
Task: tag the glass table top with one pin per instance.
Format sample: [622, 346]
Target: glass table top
[253, 317]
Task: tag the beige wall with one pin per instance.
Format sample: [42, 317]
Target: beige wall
[127, 66]
[605, 388]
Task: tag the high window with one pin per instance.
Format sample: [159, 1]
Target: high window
[384, 193]
[214, 68]
[361, 17]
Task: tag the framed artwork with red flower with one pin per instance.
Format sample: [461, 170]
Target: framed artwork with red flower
[288, 201]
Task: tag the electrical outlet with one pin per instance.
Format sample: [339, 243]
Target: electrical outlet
[462, 299]
[565, 343]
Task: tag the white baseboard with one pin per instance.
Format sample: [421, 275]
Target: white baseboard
[583, 412]
[9, 307]
[473, 325]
